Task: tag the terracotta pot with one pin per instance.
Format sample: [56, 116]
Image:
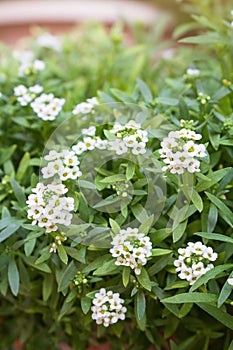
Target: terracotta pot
[17, 17]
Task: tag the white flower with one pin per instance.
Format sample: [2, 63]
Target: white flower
[101, 144]
[89, 143]
[83, 107]
[93, 101]
[179, 151]
[36, 89]
[47, 207]
[20, 90]
[107, 308]
[23, 56]
[131, 249]
[194, 261]
[118, 146]
[139, 148]
[230, 281]
[28, 68]
[47, 107]
[209, 254]
[79, 148]
[132, 125]
[193, 71]
[49, 41]
[89, 131]
[130, 140]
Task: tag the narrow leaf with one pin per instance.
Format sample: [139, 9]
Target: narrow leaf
[13, 276]
[191, 298]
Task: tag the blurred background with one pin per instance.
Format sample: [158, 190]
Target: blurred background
[18, 17]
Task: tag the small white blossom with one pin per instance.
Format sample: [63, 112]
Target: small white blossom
[49, 41]
[193, 71]
[130, 248]
[230, 281]
[63, 164]
[179, 151]
[47, 206]
[47, 106]
[28, 68]
[194, 261]
[85, 107]
[129, 137]
[24, 56]
[107, 308]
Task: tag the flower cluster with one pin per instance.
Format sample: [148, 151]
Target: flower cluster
[194, 261]
[28, 67]
[107, 308]
[90, 141]
[47, 106]
[26, 95]
[129, 137]
[179, 151]
[49, 41]
[23, 56]
[48, 207]
[131, 249]
[85, 107]
[64, 164]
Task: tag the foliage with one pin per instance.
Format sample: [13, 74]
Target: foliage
[47, 290]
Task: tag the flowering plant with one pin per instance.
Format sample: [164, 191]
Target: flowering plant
[117, 193]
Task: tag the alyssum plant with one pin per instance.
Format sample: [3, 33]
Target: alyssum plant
[117, 204]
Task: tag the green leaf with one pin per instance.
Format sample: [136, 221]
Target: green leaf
[179, 231]
[19, 193]
[219, 204]
[225, 292]
[145, 91]
[212, 217]
[67, 276]
[6, 153]
[231, 346]
[29, 246]
[215, 237]
[31, 261]
[77, 254]
[107, 268]
[125, 275]
[44, 257]
[160, 251]
[197, 201]
[9, 230]
[122, 96]
[191, 298]
[130, 170]
[139, 212]
[62, 253]
[167, 101]
[115, 227]
[146, 225]
[218, 314]
[205, 39]
[97, 263]
[47, 286]
[23, 165]
[13, 276]
[144, 279]
[213, 178]
[85, 304]
[113, 178]
[86, 184]
[140, 301]
[209, 275]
